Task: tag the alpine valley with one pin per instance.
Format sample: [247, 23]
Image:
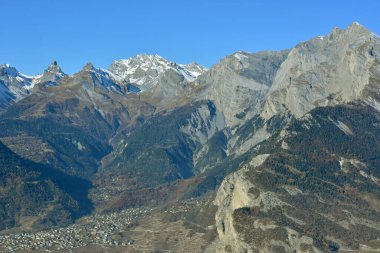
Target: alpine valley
[274, 151]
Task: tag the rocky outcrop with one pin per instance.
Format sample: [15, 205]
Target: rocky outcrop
[234, 193]
[317, 191]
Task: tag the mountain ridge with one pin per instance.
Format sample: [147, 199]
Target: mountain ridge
[267, 137]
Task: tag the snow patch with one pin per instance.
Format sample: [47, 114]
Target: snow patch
[320, 37]
[19, 79]
[240, 56]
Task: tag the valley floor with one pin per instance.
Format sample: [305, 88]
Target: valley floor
[160, 229]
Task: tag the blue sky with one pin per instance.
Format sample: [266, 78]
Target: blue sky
[74, 32]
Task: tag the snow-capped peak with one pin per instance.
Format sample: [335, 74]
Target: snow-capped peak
[10, 75]
[13, 85]
[145, 71]
[141, 62]
[8, 70]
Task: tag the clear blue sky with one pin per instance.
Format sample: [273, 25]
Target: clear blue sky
[74, 32]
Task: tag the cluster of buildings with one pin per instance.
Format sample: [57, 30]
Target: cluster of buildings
[95, 229]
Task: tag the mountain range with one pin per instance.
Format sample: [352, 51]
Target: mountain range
[283, 144]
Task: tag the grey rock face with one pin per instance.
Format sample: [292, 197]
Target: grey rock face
[326, 70]
[239, 83]
[203, 124]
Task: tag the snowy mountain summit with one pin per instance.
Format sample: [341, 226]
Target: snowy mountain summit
[144, 71]
[13, 85]
[136, 74]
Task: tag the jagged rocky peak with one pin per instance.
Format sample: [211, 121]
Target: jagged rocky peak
[51, 75]
[54, 67]
[100, 78]
[101, 73]
[6, 69]
[88, 67]
[144, 71]
[327, 70]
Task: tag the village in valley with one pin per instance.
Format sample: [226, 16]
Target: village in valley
[146, 229]
[98, 229]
